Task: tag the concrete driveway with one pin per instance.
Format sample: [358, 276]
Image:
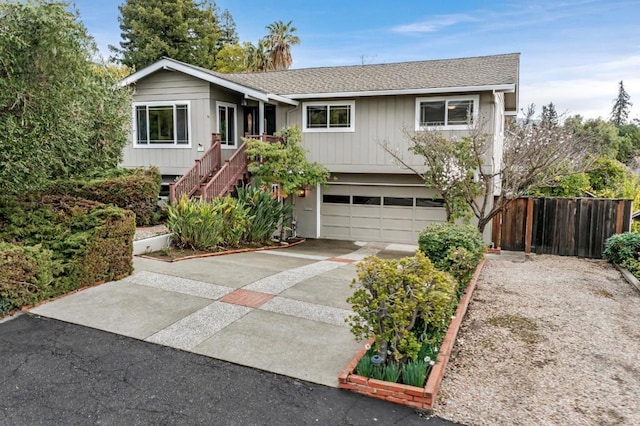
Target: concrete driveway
[281, 311]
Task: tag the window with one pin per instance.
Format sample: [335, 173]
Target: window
[336, 199]
[447, 113]
[369, 201]
[328, 116]
[398, 201]
[162, 124]
[227, 124]
[429, 202]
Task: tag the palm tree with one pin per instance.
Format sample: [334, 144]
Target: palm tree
[279, 41]
[258, 58]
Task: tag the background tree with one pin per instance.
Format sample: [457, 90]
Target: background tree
[258, 58]
[278, 42]
[186, 30]
[549, 116]
[61, 115]
[228, 32]
[460, 170]
[621, 106]
[233, 58]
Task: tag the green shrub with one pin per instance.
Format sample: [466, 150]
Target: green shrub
[88, 241]
[457, 249]
[235, 220]
[136, 190]
[26, 275]
[393, 296]
[265, 213]
[195, 224]
[622, 247]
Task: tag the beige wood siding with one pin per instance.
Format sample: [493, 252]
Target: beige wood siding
[173, 86]
[377, 120]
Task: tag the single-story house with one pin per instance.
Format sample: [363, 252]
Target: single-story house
[345, 114]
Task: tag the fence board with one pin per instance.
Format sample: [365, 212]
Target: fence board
[562, 226]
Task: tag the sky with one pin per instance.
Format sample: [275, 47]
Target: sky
[573, 52]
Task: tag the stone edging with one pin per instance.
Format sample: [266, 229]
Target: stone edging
[412, 396]
[222, 253]
[627, 275]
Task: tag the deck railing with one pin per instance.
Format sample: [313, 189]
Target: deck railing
[201, 170]
[227, 177]
[265, 137]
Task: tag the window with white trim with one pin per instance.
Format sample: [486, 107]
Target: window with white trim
[227, 124]
[162, 124]
[453, 113]
[335, 116]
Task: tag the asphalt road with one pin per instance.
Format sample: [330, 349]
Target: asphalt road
[54, 373]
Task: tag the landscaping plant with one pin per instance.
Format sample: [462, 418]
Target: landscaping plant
[54, 245]
[132, 189]
[392, 297]
[622, 247]
[457, 249]
[265, 212]
[196, 225]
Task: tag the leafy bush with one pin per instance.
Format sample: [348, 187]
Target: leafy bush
[195, 224]
[265, 213]
[457, 249]
[622, 247]
[87, 241]
[136, 190]
[393, 296]
[26, 275]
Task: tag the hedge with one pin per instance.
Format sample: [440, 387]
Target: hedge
[457, 249]
[78, 242]
[132, 189]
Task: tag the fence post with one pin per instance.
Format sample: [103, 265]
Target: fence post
[528, 232]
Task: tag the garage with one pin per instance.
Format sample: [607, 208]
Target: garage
[389, 213]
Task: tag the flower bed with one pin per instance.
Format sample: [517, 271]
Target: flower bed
[417, 397]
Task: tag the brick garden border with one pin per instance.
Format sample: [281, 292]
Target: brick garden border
[412, 396]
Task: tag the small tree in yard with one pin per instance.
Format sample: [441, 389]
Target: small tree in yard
[284, 163]
[464, 173]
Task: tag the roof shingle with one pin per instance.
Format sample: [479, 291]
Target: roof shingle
[443, 73]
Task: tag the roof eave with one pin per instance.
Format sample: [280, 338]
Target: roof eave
[283, 99]
[507, 88]
[168, 64]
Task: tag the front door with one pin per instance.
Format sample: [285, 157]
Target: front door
[251, 123]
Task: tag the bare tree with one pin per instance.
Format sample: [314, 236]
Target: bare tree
[465, 173]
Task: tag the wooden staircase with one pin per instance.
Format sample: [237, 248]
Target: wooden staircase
[209, 178]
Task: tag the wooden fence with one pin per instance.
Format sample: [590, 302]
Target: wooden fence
[562, 226]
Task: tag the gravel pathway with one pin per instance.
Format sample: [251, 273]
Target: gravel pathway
[550, 341]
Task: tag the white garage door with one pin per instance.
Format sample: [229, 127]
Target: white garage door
[378, 213]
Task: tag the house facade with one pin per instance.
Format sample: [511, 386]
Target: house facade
[346, 114]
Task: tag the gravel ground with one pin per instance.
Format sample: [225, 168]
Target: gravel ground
[148, 232]
[550, 341]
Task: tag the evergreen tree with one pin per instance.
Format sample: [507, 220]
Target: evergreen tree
[621, 107]
[61, 115]
[186, 30]
[549, 116]
[228, 33]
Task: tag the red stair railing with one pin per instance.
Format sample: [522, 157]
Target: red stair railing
[204, 166]
[227, 177]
